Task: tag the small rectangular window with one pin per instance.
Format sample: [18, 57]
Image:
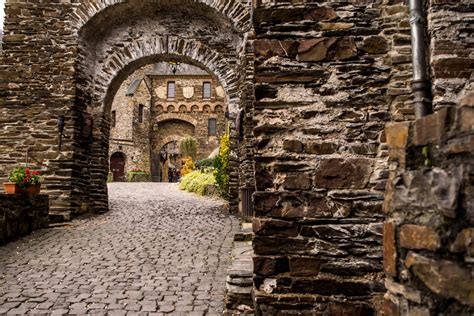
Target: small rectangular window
[113, 119]
[171, 90]
[140, 113]
[206, 90]
[212, 127]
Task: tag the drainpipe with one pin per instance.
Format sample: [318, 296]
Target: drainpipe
[421, 86]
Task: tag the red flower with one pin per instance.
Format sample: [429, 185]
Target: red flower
[36, 173]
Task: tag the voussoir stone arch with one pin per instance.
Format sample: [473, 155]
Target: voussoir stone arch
[176, 116]
[169, 139]
[123, 60]
[233, 10]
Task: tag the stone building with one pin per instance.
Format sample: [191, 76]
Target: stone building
[154, 109]
[313, 90]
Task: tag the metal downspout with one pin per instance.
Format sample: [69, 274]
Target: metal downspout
[421, 86]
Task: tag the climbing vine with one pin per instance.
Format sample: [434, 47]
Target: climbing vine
[221, 165]
[188, 147]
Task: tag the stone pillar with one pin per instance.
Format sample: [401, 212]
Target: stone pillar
[429, 228]
[429, 231]
[319, 113]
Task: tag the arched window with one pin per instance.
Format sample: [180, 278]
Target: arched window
[206, 90]
[171, 92]
[212, 127]
[141, 108]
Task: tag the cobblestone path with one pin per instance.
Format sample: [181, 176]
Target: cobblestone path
[158, 251]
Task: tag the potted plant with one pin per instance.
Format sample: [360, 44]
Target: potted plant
[23, 180]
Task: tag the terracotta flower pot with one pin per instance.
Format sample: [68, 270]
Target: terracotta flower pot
[32, 189]
[11, 187]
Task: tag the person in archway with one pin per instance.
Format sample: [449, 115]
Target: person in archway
[170, 175]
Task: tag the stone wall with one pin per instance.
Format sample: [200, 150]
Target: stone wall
[22, 214]
[321, 77]
[69, 58]
[428, 233]
[188, 110]
[129, 136]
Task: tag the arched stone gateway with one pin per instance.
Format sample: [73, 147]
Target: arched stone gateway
[143, 34]
[236, 12]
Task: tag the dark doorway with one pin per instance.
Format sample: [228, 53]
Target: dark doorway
[117, 166]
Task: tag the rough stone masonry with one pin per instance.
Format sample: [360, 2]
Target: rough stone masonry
[314, 84]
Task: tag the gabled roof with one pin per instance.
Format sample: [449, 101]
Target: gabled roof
[132, 88]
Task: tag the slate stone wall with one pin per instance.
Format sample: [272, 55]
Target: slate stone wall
[69, 58]
[321, 80]
[429, 230]
[22, 214]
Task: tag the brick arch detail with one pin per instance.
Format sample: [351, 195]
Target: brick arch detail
[167, 140]
[233, 10]
[176, 116]
[147, 50]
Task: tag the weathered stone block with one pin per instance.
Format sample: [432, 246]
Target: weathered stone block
[464, 242]
[353, 309]
[461, 145]
[446, 278]
[304, 266]
[389, 249]
[321, 148]
[330, 286]
[345, 48]
[465, 119]
[431, 128]
[270, 48]
[339, 173]
[266, 245]
[374, 44]
[396, 136]
[315, 49]
[293, 145]
[400, 289]
[419, 237]
[269, 266]
[297, 182]
[274, 227]
[455, 67]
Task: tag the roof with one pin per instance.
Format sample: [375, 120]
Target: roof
[132, 88]
[164, 68]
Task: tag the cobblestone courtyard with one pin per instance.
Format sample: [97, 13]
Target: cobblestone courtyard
[158, 250]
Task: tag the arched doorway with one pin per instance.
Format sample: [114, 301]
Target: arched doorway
[117, 166]
[212, 38]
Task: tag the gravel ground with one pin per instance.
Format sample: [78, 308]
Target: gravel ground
[158, 251]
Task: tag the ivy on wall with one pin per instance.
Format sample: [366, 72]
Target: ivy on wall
[221, 165]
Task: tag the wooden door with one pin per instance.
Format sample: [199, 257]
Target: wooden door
[117, 166]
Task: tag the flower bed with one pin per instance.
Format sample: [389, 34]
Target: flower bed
[202, 183]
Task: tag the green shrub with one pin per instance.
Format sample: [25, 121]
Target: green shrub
[137, 176]
[197, 182]
[205, 164]
[188, 147]
[221, 165]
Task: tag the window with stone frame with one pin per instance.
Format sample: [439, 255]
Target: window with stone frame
[171, 92]
[113, 119]
[206, 90]
[212, 127]
[141, 109]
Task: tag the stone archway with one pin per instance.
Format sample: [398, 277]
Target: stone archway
[108, 57]
[167, 131]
